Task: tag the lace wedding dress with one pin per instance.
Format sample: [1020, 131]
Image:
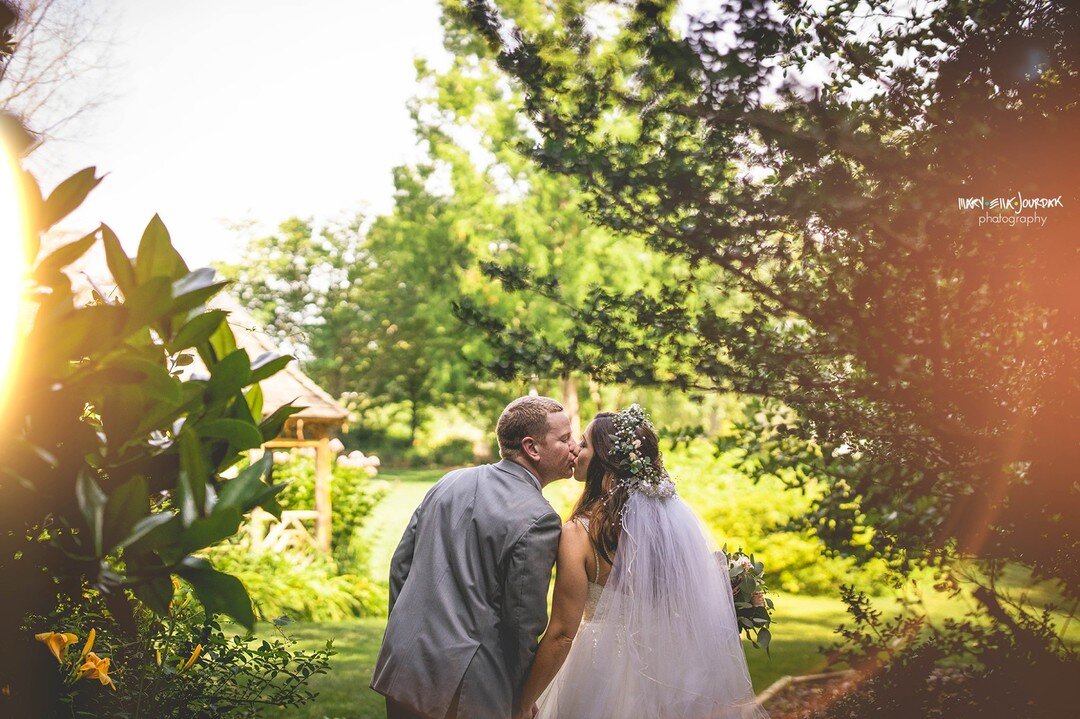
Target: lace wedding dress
[659, 640]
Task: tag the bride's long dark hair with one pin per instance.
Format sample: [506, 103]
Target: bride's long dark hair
[602, 505]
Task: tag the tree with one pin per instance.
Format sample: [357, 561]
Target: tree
[918, 361]
[61, 45]
[304, 286]
[507, 208]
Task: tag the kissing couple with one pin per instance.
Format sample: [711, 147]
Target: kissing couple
[642, 619]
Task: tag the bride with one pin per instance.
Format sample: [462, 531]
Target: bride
[643, 621]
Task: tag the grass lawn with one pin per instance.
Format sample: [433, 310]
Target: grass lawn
[344, 693]
[387, 522]
[808, 621]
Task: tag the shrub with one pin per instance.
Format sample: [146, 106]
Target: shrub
[300, 586]
[176, 666]
[114, 466]
[453, 453]
[992, 663]
[741, 512]
[353, 497]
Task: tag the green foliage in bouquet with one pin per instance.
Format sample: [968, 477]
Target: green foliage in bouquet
[112, 464]
[177, 666]
[752, 608]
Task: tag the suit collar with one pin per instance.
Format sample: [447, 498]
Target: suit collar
[515, 469]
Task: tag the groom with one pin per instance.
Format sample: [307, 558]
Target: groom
[469, 580]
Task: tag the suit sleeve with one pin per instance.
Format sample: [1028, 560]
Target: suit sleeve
[526, 587]
[402, 559]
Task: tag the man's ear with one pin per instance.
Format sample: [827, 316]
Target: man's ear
[529, 447]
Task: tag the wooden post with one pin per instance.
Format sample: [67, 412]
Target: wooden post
[323, 459]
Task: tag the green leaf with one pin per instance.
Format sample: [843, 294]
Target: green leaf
[221, 524]
[151, 533]
[197, 330]
[147, 302]
[272, 425]
[254, 399]
[127, 504]
[119, 264]
[92, 505]
[241, 435]
[221, 344]
[155, 380]
[155, 593]
[68, 195]
[58, 341]
[764, 636]
[248, 490]
[267, 365]
[219, 593]
[64, 256]
[194, 289]
[122, 409]
[191, 486]
[157, 257]
[229, 376]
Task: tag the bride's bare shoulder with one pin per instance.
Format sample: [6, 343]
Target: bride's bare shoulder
[575, 535]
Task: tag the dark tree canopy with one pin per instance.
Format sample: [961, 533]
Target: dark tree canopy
[921, 361]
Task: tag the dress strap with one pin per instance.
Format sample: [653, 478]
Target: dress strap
[595, 557]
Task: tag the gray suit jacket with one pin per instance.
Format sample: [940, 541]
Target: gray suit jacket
[468, 593]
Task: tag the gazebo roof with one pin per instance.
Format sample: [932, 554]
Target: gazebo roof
[290, 383]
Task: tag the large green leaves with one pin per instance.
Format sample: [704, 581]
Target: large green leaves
[68, 195]
[248, 490]
[157, 257]
[128, 503]
[109, 420]
[220, 593]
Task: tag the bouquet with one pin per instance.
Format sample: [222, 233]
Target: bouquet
[752, 608]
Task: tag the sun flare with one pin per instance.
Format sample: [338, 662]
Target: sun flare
[12, 226]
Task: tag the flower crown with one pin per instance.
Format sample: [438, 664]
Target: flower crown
[642, 474]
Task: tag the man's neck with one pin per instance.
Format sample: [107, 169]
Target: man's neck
[531, 471]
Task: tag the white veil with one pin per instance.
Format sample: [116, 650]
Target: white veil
[663, 642]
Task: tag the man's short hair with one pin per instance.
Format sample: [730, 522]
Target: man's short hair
[524, 417]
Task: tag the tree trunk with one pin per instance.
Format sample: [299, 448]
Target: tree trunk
[414, 421]
[570, 403]
[594, 394]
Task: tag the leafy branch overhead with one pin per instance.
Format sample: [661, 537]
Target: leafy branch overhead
[929, 357]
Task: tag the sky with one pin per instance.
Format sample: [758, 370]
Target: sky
[248, 110]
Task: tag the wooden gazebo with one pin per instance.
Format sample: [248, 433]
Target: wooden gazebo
[313, 427]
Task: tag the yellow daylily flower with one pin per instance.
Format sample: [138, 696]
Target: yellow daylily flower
[96, 667]
[57, 642]
[89, 643]
[184, 666]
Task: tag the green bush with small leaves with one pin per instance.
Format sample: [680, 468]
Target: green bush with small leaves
[354, 495]
[179, 665]
[300, 586]
[743, 513]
